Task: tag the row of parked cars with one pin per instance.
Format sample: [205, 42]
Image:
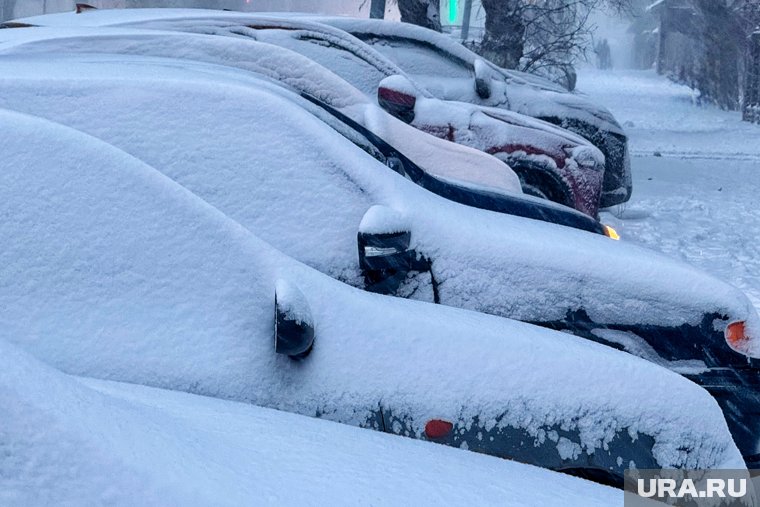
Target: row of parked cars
[224, 203]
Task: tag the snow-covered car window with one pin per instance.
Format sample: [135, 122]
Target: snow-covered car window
[330, 54]
[297, 158]
[418, 58]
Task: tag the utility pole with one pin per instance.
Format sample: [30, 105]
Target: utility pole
[377, 9]
[466, 19]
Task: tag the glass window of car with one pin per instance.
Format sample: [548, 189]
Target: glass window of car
[331, 53]
[416, 57]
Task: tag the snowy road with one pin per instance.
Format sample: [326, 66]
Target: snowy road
[696, 175]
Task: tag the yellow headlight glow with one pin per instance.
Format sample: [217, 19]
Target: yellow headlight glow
[611, 233]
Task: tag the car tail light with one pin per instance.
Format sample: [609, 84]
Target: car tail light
[438, 428]
[736, 334]
[611, 233]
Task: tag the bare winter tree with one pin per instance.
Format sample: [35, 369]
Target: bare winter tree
[539, 35]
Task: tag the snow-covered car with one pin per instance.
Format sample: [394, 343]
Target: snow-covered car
[458, 173]
[321, 192]
[77, 441]
[451, 71]
[551, 162]
[111, 270]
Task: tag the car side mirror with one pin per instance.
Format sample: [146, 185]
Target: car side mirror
[385, 256]
[398, 96]
[293, 323]
[482, 79]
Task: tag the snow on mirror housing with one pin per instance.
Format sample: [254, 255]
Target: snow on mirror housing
[293, 323]
[396, 94]
[482, 79]
[385, 256]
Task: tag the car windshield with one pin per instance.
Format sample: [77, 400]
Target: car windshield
[416, 57]
[328, 49]
[332, 55]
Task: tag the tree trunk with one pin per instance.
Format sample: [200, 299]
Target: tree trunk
[425, 13]
[504, 38]
[377, 9]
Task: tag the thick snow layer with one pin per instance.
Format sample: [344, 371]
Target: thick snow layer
[489, 130]
[292, 303]
[73, 441]
[383, 220]
[448, 77]
[436, 156]
[469, 125]
[446, 68]
[307, 191]
[695, 175]
[111, 270]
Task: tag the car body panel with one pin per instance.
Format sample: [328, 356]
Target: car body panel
[364, 68]
[116, 272]
[483, 261]
[517, 91]
[78, 441]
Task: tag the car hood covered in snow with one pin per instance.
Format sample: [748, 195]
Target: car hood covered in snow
[96, 442]
[484, 261]
[112, 270]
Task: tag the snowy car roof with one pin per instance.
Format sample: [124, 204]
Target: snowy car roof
[455, 163]
[535, 96]
[128, 444]
[296, 33]
[112, 270]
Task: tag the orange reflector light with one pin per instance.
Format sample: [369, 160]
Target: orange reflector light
[436, 428]
[611, 233]
[735, 334]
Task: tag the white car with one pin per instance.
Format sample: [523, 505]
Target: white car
[266, 158]
[448, 70]
[551, 162]
[76, 441]
[457, 165]
[113, 271]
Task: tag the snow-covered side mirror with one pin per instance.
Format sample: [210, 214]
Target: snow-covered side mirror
[482, 79]
[383, 240]
[384, 254]
[293, 324]
[398, 96]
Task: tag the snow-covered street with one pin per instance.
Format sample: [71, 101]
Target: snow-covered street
[696, 175]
